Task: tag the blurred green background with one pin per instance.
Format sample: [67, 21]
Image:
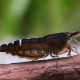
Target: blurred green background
[36, 18]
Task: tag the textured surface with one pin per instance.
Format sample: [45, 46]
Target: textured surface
[66, 69]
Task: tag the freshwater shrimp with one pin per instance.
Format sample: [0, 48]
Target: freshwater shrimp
[35, 48]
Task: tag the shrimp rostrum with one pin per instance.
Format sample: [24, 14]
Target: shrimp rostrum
[35, 48]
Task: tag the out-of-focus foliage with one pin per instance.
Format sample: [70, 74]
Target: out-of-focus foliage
[38, 17]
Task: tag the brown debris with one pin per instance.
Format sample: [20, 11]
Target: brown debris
[66, 69]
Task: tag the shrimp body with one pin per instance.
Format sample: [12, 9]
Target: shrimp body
[35, 48]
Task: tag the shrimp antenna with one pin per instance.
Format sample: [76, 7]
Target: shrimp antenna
[77, 41]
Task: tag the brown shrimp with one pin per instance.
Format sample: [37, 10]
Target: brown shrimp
[35, 48]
